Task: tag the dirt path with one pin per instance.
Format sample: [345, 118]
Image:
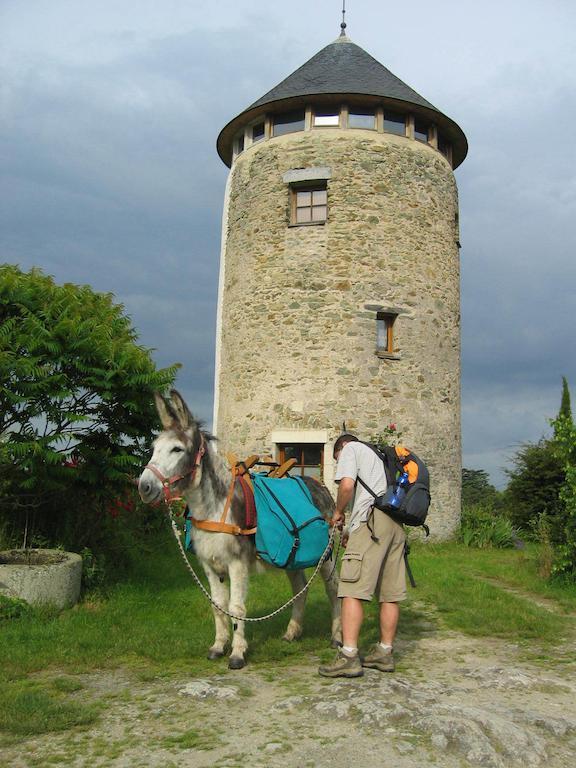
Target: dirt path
[454, 701]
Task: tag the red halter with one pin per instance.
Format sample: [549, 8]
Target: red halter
[167, 482]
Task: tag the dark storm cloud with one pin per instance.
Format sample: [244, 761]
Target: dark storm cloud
[518, 275]
[114, 180]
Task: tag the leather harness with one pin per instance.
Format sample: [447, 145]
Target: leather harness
[215, 526]
[221, 526]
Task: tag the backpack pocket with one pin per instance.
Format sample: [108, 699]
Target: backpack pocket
[351, 566]
[415, 506]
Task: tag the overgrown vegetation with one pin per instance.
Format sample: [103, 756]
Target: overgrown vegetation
[483, 528]
[76, 413]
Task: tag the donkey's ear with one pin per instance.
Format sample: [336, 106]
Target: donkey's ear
[165, 411]
[183, 415]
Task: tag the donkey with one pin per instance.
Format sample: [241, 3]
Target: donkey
[184, 457]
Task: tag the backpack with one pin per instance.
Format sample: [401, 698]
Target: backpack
[414, 507]
[291, 531]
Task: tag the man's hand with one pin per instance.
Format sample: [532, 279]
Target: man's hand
[338, 520]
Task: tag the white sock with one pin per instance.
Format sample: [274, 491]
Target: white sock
[385, 647]
[349, 650]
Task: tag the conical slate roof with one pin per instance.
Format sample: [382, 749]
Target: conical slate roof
[343, 68]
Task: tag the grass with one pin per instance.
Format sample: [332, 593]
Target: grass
[192, 739]
[31, 708]
[492, 593]
[158, 624]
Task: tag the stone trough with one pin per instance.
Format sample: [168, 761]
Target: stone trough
[39, 576]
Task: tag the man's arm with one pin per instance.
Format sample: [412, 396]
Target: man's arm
[345, 493]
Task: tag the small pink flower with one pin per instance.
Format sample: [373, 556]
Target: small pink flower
[392, 427]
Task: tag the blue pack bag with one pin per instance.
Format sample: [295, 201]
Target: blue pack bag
[291, 533]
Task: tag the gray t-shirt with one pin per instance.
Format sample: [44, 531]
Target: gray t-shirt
[358, 460]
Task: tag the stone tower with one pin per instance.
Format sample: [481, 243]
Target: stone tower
[339, 278]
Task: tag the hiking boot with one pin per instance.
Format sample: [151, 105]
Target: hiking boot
[342, 666]
[378, 658]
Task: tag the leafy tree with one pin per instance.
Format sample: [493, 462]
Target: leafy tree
[534, 487]
[533, 497]
[477, 488]
[76, 404]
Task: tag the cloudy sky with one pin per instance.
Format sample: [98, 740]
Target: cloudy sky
[109, 117]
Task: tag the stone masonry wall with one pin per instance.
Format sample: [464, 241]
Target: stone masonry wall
[298, 347]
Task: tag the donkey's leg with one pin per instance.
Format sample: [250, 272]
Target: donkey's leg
[330, 577]
[294, 628]
[219, 593]
[238, 570]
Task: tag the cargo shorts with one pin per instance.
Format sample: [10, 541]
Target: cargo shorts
[370, 567]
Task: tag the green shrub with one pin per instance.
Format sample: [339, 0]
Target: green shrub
[13, 607]
[93, 569]
[482, 528]
[545, 556]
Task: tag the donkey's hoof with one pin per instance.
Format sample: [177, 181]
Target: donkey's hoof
[214, 654]
[293, 631]
[236, 662]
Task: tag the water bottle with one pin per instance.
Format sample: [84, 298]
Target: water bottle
[400, 491]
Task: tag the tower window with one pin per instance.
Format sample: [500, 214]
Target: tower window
[309, 204]
[239, 143]
[394, 122]
[444, 146]
[288, 122]
[257, 132]
[420, 130]
[362, 118]
[309, 458]
[385, 333]
[324, 118]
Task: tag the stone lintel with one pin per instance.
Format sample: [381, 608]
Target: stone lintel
[299, 436]
[297, 175]
[386, 308]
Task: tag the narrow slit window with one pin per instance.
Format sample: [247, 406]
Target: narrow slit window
[385, 333]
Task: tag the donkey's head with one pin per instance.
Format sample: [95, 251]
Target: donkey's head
[176, 463]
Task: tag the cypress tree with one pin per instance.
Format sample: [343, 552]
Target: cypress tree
[565, 408]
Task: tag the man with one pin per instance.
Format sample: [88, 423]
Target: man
[373, 561]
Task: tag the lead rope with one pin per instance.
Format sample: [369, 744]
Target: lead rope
[207, 594]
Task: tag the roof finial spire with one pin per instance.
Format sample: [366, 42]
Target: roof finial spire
[343, 25]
